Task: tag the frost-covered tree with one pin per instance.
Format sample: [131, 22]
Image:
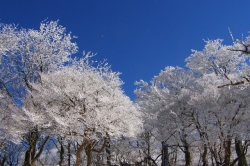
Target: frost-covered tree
[225, 109]
[8, 42]
[34, 52]
[25, 54]
[188, 109]
[45, 93]
[8, 38]
[220, 116]
[227, 62]
[86, 103]
[165, 102]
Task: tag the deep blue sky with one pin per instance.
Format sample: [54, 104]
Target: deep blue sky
[137, 37]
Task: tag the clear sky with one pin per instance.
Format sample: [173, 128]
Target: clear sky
[137, 37]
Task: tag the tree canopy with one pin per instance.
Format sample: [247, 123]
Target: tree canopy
[52, 103]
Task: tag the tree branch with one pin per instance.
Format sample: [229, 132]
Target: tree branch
[41, 149]
[100, 150]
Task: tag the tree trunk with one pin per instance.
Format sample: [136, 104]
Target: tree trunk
[61, 152]
[88, 151]
[175, 157]
[36, 156]
[240, 153]
[204, 156]
[78, 153]
[69, 154]
[227, 149]
[32, 139]
[165, 157]
[214, 156]
[108, 152]
[187, 156]
[30, 155]
[148, 135]
[87, 145]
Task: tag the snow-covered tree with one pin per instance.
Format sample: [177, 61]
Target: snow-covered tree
[34, 52]
[8, 38]
[220, 116]
[86, 103]
[25, 54]
[227, 62]
[45, 93]
[188, 109]
[165, 102]
[221, 110]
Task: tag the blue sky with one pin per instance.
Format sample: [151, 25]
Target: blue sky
[137, 37]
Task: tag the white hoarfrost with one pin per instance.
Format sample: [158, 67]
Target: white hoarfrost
[81, 100]
[24, 54]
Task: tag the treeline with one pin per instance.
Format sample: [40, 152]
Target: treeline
[203, 109]
[59, 110]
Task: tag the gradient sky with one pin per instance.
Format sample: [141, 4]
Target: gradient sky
[137, 37]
